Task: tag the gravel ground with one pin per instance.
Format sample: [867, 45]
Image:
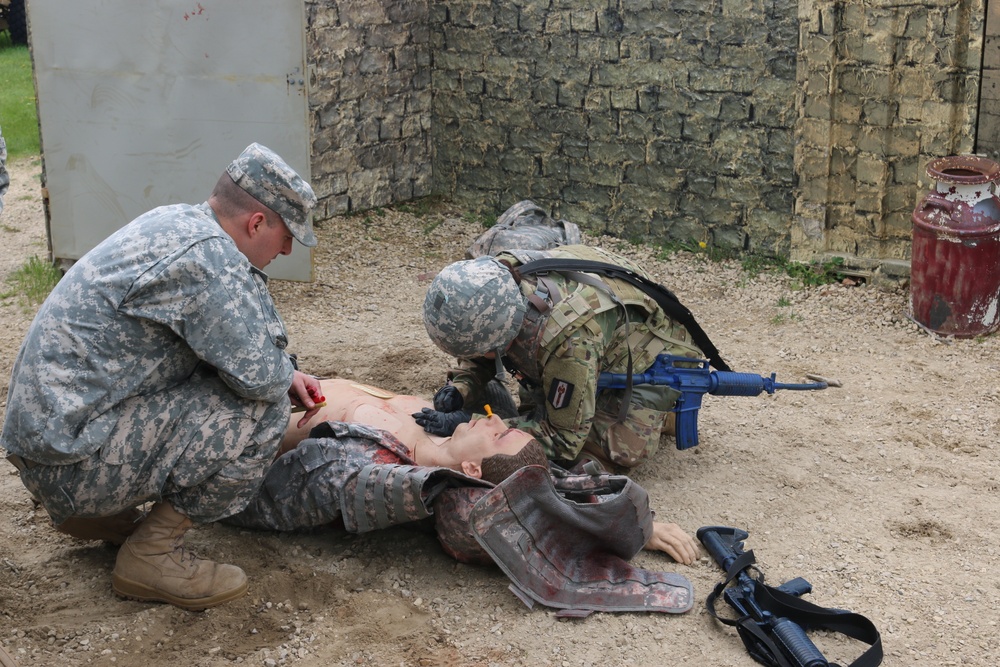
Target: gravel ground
[881, 493]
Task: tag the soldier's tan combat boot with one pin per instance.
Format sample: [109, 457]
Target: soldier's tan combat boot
[153, 565]
[114, 529]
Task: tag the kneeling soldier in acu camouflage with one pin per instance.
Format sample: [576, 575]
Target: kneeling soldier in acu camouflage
[156, 371]
[557, 331]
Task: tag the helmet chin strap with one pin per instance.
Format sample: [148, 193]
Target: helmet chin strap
[501, 371]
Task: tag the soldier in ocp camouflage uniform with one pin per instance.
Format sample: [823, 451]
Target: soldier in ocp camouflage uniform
[557, 332]
[156, 370]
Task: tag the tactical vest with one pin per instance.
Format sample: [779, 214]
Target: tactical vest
[553, 315]
[566, 548]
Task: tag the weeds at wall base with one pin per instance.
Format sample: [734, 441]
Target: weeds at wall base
[803, 275]
[32, 282]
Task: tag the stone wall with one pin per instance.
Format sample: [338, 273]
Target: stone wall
[988, 129]
[884, 89]
[651, 119]
[370, 102]
[793, 128]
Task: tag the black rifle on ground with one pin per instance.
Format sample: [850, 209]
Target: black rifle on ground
[772, 619]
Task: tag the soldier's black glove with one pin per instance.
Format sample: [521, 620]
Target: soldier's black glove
[448, 399]
[441, 423]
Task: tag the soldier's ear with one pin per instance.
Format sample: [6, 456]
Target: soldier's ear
[472, 469]
[254, 223]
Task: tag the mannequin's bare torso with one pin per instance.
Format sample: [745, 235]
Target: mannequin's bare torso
[350, 401]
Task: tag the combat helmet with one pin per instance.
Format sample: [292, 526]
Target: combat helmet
[474, 307]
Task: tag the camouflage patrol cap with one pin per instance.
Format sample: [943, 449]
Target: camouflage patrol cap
[267, 178]
[474, 307]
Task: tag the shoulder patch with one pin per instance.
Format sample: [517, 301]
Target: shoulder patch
[560, 392]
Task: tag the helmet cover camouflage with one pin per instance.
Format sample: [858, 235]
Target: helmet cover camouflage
[473, 307]
[266, 177]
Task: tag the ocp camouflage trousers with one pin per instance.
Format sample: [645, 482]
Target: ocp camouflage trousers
[620, 445]
[197, 445]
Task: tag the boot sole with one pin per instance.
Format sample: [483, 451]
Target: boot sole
[133, 590]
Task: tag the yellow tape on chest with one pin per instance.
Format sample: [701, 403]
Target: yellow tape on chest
[374, 391]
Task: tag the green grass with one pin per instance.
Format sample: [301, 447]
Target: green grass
[802, 275]
[755, 264]
[786, 318]
[18, 113]
[421, 207]
[484, 220]
[816, 273]
[32, 282]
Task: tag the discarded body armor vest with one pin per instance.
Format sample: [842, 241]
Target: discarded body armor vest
[573, 554]
[524, 225]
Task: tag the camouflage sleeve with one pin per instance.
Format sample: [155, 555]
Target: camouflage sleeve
[224, 313]
[471, 377]
[569, 389]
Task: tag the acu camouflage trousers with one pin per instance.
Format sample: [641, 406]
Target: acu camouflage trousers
[197, 445]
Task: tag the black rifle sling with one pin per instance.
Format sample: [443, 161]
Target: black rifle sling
[757, 641]
[807, 615]
[666, 299]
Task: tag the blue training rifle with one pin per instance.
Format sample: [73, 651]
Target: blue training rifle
[693, 380]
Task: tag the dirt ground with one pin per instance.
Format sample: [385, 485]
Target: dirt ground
[881, 493]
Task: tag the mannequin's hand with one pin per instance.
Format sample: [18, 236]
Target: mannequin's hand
[673, 541]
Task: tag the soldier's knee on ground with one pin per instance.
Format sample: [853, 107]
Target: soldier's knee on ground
[670, 424]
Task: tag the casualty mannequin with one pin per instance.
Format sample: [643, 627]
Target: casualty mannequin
[469, 449]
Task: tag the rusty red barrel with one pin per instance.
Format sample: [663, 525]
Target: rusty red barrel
[955, 261]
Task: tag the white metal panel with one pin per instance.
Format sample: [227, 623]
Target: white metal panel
[144, 103]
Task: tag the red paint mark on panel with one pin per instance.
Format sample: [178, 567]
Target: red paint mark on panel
[197, 11]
